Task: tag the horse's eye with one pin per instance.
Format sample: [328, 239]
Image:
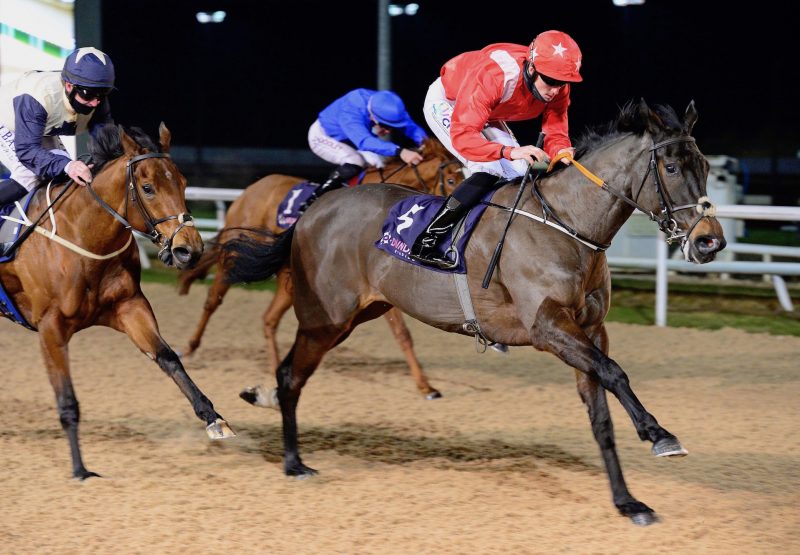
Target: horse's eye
[148, 189]
[672, 169]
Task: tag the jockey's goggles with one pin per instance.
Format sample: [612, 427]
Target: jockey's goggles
[550, 82]
[91, 93]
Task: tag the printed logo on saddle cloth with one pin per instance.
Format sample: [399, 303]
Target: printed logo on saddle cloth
[409, 217]
[288, 210]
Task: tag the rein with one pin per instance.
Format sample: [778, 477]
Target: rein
[185, 220]
[665, 221]
[438, 180]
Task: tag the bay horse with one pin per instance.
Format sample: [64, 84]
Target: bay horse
[60, 291]
[551, 288]
[257, 208]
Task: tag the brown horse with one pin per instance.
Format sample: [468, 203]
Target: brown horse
[551, 288]
[257, 208]
[60, 291]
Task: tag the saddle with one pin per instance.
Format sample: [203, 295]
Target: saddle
[409, 217]
[289, 208]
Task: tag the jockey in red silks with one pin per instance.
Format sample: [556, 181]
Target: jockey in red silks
[39, 107]
[468, 105]
[359, 129]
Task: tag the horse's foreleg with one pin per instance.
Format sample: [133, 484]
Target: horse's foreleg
[214, 298]
[54, 340]
[556, 331]
[403, 338]
[293, 373]
[135, 318]
[594, 397]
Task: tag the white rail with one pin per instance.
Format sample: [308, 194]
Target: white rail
[661, 263]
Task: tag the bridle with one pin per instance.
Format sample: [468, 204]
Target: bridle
[151, 223]
[664, 219]
[438, 184]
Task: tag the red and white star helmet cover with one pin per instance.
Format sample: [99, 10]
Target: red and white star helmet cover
[556, 55]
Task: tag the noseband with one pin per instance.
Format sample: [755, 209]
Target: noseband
[666, 222]
[151, 223]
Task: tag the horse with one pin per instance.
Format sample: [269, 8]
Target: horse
[88, 274]
[551, 288]
[257, 207]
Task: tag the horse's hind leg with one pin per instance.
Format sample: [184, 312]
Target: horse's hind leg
[214, 298]
[135, 318]
[403, 338]
[54, 340]
[258, 395]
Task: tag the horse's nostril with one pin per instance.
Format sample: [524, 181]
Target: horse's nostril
[709, 244]
[182, 254]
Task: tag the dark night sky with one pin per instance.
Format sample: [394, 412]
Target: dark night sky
[259, 78]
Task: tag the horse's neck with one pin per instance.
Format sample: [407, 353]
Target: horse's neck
[587, 208]
[97, 228]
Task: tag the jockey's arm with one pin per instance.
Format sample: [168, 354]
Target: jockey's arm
[30, 120]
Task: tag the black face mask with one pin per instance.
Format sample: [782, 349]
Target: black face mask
[77, 106]
[530, 80]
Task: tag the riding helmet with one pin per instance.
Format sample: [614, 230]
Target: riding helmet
[556, 55]
[89, 67]
[388, 109]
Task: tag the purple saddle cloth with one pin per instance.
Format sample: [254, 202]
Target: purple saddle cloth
[288, 210]
[409, 217]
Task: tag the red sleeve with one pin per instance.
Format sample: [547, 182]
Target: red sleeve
[555, 124]
[481, 90]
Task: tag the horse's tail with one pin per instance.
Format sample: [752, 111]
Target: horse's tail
[247, 259]
[207, 260]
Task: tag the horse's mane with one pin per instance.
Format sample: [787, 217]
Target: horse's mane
[629, 121]
[105, 144]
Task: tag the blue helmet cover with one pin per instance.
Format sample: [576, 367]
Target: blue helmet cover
[388, 109]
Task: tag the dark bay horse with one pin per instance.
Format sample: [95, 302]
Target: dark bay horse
[60, 291]
[550, 289]
[257, 207]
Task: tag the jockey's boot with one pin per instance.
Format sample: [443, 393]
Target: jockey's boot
[426, 244]
[336, 180]
[10, 191]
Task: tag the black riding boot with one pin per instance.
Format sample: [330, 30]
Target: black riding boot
[10, 191]
[336, 180]
[426, 244]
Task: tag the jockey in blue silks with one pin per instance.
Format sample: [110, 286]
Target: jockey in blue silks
[356, 130]
[41, 106]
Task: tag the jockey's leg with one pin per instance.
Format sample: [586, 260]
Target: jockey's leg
[337, 179]
[427, 245]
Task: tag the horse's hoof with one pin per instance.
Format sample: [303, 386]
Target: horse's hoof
[499, 348]
[644, 519]
[639, 513]
[433, 395]
[83, 474]
[219, 429]
[669, 447]
[299, 470]
[260, 397]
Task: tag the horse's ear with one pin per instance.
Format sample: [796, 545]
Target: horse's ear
[129, 146]
[164, 137]
[651, 121]
[690, 118]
